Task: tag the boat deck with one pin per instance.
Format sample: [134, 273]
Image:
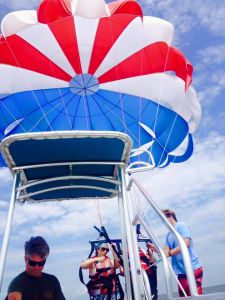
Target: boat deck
[217, 296]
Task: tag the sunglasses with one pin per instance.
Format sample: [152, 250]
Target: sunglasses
[33, 263]
[104, 249]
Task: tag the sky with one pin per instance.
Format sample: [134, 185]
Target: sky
[195, 189]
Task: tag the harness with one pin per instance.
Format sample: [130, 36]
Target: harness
[104, 277]
[146, 264]
[144, 260]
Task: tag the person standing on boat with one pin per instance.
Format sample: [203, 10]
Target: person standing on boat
[102, 274]
[33, 283]
[172, 249]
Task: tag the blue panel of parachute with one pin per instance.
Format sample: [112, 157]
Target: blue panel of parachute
[60, 109]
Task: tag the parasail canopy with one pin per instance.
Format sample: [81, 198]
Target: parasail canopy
[86, 65]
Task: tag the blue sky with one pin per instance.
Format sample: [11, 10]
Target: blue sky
[195, 188]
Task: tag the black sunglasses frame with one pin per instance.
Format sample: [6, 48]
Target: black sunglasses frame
[35, 263]
[104, 249]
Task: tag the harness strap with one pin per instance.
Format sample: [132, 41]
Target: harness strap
[81, 277]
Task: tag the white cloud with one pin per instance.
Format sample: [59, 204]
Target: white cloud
[208, 94]
[211, 15]
[13, 5]
[214, 55]
[195, 189]
[63, 219]
[219, 77]
[202, 172]
[189, 15]
[5, 176]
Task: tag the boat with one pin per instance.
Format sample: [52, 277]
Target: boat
[83, 121]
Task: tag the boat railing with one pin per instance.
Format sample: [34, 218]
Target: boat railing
[150, 232]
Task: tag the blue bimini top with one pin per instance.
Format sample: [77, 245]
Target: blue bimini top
[67, 164]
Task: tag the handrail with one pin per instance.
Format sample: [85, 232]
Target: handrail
[184, 250]
[5, 242]
[163, 257]
[135, 269]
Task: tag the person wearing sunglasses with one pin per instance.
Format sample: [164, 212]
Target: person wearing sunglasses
[102, 274]
[33, 283]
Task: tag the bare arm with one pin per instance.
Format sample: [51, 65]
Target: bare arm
[174, 251]
[15, 296]
[87, 264]
[115, 257]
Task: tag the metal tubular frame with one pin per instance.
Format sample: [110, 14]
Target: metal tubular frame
[67, 187]
[82, 163]
[163, 257]
[184, 250]
[124, 247]
[132, 268]
[8, 226]
[37, 182]
[22, 188]
[137, 280]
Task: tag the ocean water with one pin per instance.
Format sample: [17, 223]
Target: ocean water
[206, 290]
[214, 289]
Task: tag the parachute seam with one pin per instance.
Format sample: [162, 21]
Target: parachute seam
[32, 91]
[62, 100]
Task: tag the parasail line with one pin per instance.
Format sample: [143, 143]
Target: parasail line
[113, 54]
[158, 102]
[97, 205]
[47, 103]
[78, 103]
[60, 111]
[43, 117]
[140, 102]
[130, 132]
[161, 90]
[115, 105]
[86, 105]
[13, 116]
[58, 87]
[173, 124]
[105, 114]
[53, 107]
[118, 107]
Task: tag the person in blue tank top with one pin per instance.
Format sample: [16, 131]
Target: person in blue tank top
[172, 249]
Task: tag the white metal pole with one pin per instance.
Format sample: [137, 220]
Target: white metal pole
[135, 270]
[135, 244]
[8, 226]
[125, 248]
[184, 250]
[164, 260]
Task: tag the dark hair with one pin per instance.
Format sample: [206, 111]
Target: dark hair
[36, 245]
[169, 213]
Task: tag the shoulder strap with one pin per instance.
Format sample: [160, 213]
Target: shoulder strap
[80, 269]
